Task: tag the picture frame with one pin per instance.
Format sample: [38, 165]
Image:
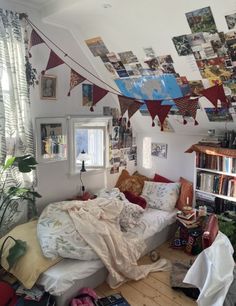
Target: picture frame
[159, 150]
[48, 87]
[51, 142]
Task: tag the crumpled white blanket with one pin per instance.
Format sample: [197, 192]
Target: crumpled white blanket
[212, 272]
[96, 221]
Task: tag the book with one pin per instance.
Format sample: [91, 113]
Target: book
[186, 217]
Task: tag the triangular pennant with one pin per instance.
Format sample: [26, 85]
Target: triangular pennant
[192, 109]
[133, 108]
[35, 39]
[98, 94]
[75, 79]
[182, 104]
[212, 94]
[155, 108]
[124, 104]
[222, 97]
[53, 61]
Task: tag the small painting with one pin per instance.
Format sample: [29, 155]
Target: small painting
[159, 150]
[231, 21]
[48, 88]
[201, 20]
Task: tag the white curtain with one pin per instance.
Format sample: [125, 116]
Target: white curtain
[16, 136]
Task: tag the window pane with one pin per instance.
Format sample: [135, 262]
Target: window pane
[92, 142]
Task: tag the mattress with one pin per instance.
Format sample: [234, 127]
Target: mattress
[69, 275]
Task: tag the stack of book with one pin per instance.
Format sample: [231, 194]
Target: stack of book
[213, 141]
[188, 220]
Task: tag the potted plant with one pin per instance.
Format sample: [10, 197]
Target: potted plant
[9, 195]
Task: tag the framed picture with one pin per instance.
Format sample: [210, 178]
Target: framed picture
[159, 150]
[51, 139]
[48, 87]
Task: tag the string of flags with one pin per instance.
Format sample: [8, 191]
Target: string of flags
[186, 105]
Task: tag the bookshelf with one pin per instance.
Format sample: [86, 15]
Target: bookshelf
[215, 177]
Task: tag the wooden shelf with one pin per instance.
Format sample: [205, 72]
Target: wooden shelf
[215, 171]
[212, 150]
[217, 195]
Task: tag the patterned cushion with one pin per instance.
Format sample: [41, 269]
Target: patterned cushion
[130, 216]
[132, 184]
[161, 195]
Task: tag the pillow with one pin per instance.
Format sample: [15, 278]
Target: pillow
[161, 195]
[186, 191]
[161, 179]
[133, 183]
[130, 216]
[135, 199]
[33, 263]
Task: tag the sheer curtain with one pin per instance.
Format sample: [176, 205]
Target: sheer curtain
[16, 135]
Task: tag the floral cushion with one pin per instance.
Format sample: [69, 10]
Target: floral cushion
[130, 216]
[161, 195]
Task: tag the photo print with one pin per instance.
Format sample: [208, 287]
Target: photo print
[87, 91]
[196, 39]
[112, 57]
[196, 87]
[201, 20]
[153, 63]
[97, 46]
[222, 114]
[231, 21]
[159, 150]
[182, 45]
[110, 68]
[128, 57]
[149, 53]
[48, 87]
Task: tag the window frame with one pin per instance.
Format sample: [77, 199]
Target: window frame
[94, 123]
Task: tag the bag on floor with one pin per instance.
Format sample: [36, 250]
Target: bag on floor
[7, 294]
[86, 297]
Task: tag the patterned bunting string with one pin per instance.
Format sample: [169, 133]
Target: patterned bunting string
[98, 94]
[187, 107]
[75, 79]
[53, 61]
[129, 104]
[35, 40]
[156, 109]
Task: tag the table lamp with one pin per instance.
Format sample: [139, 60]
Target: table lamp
[83, 156]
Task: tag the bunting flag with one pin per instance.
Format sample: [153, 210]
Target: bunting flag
[133, 108]
[75, 79]
[53, 61]
[98, 94]
[215, 93]
[156, 109]
[187, 107]
[35, 40]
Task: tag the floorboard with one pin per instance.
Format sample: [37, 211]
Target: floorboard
[155, 289]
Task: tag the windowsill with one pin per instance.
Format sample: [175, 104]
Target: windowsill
[89, 171]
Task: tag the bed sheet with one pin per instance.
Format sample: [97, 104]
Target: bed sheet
[62, 276]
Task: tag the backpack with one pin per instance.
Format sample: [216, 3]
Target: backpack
[7, 295]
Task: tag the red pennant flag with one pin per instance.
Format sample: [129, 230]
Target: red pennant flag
[156, 109]
[187, 107]
[75, 79]
[124, 104]
[98, 94]
[215, 93]
[53, 61]
[35, 39]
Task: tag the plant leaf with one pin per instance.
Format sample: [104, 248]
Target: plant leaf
[9, 162]
[15, 252]
[26, 163]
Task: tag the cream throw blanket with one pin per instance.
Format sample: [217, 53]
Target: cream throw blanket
[97, 221]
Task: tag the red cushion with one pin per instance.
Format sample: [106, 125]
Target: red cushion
[8, 296]
[161, 179]
[135, 199]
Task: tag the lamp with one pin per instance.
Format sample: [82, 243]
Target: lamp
[83, 156]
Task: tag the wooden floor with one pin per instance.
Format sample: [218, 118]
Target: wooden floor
[155, 289]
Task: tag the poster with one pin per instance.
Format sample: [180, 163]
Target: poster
[221, 115]
[201, 20]
[159, 150]
[97, 46]
[87, 91]
[182, 45]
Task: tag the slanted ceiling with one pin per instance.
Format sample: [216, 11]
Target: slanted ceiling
[132, 25]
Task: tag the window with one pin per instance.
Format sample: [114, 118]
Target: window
[89, 135]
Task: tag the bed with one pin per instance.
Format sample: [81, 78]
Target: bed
[65, 278]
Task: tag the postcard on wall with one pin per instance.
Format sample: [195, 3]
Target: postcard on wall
[87, 90]
[182, 45]
[231, 21]
[196, 39]
[112, 57]
[221, 115]
[159, 150]
[97, 46]
[128, 57]
[201, 20]
[111, 69]
[149, 52]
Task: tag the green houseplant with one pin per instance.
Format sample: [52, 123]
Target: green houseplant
[11, 194]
